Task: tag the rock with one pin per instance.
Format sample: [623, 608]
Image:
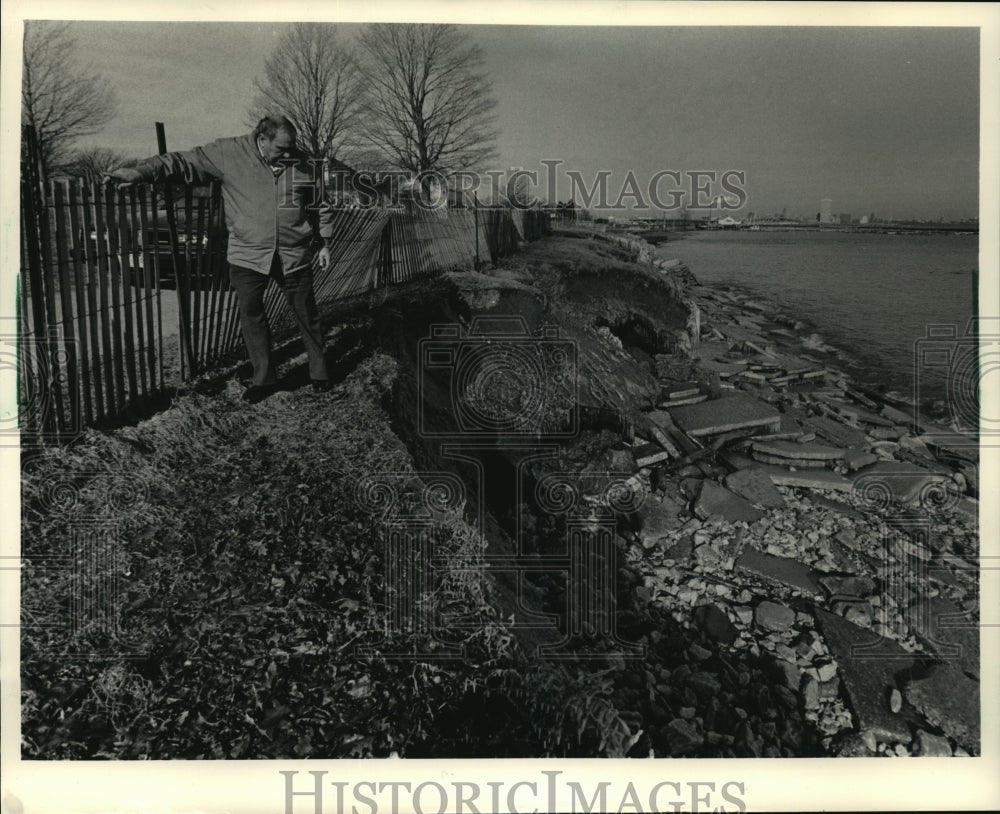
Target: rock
[856, 611]
[950, 700]
[698, 653]
[929, 745]
[725, 414]
[895, 700]
[682, 736]
[779, 569]
[774, 616]
[869, 738]
[868, 669]
[856, 586]
[680, 551]
[715, 624]
[714, 500]
[756, 486]
[790, 674]
[826, 672]
[705, 684]
[708, 556]
[901, 751]
[810, 692]
[621, 460]
[853, 744]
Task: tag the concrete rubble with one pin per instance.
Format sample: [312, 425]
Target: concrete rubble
[809, 532]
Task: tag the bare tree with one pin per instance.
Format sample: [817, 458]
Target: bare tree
[94, 162]
[429, 99]
[314, 81]
[60, 98]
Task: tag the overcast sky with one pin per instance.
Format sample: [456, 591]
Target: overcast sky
[880, 120]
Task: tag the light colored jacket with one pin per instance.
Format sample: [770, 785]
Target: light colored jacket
[266, 211]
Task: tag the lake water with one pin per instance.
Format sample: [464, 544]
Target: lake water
[870, 296]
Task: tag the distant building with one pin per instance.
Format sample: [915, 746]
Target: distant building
[864, 220]
[826, 210]
[845, 219]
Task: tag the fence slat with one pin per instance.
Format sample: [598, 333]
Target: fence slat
[96, 315]
[69, 334]
[34, 389]
[151, 254]
[138, 283]
[78, 251]
[123, 253]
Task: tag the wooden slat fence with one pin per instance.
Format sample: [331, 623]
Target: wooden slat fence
[124, 296]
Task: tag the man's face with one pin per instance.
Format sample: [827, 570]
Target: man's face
[277, 148]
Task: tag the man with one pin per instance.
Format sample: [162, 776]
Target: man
[277, 227]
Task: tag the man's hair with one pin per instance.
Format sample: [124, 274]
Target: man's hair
[269, 126]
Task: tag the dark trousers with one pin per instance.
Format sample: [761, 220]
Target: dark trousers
[298, 290]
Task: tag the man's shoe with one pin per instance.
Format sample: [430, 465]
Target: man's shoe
[258, 392]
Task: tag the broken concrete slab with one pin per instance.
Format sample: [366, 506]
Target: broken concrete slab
[756, 486]
[868, 674]
[725, 414]
[659, 518]
[947, 631]
[799, 450]
[650, 455]
[809, 479]
[735, 460]
[950, 700]
[858, 458]
[715, 500]
[777, 569]
[834, 432]
[803, 463]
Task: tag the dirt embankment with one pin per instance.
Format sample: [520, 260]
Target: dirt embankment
[492, 518]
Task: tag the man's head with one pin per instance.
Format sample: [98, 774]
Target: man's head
[275, 138]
